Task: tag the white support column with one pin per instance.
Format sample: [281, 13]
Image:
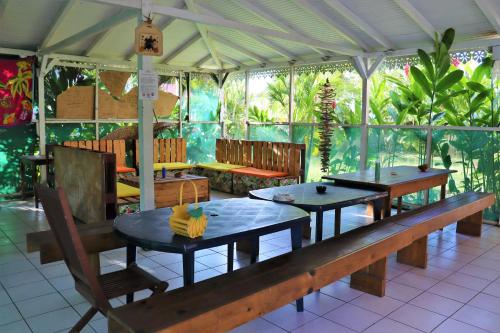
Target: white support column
[181, 100]
[96, 102]
[41, 106]
[145, 124]
[365, 70]
[291, 104]
[222, 108]
[365, 98]
[246, 106]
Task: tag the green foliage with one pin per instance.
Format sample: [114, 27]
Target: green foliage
[14, 143]
[434, 78]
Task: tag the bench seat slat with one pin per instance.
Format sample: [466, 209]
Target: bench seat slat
[255, 290]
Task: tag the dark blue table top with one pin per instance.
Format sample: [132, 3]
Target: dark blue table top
[228, 221]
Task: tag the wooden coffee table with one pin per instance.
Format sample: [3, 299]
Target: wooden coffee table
[167, 189]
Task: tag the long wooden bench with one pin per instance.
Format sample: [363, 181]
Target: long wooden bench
[242, 166]
[96, 238]
[227, 301]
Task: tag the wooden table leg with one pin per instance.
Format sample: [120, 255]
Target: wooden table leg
[337, 221]
[443, 192]
[371, 279]
[255, 250]
[387, 206]
[414, 254]
[377, 209]
[248, 246]
[230, 256]
[22, 170]
[400, 204]
[131, 258]
[319, 226]
[188, 268]
[296, 235]
[34, 180]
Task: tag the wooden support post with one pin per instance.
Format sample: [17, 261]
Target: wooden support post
[371, 279]
[400, 204]
[414, 254]
[471, 225]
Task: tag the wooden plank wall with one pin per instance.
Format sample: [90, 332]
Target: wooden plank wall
[116, 147]
[276, 156]
[166, 150]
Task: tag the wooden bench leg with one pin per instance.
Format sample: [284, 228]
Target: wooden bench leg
[371, 279]
[414, 254]
[471, 225]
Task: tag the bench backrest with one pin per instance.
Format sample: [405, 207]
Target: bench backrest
[227, 301]
[276, 156]
[89, 178]
[116, 147]
[166, 150]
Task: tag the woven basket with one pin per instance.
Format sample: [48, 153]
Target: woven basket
[188, 222]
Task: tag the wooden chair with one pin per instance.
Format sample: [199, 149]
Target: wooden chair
[96, 288]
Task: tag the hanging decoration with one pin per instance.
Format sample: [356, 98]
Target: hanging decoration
[327, 108]
[148, 39]
[15, 91]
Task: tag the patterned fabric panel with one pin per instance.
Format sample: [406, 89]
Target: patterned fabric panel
[242, 184]
[219, 181]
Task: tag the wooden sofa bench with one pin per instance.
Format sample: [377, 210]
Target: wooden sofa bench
[227, 301]
[117, 147]
[243, 166]
[170, 154]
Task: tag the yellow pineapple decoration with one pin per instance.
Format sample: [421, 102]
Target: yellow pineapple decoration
[185, 221]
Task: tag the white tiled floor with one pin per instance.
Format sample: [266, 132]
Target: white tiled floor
[459, 292]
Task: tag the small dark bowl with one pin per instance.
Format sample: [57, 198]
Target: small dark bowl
[321, 189]
[423, 167]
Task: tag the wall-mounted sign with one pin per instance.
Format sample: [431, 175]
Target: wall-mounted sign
[148, 85]
[148, 39]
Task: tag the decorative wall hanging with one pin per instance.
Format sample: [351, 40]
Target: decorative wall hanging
[148, 39]
[327, 116]
[15, 91]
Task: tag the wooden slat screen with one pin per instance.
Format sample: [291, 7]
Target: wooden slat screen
[277, 156]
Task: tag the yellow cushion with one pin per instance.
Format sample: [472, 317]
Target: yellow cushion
[124, 190]
[171, 166]
[219, 166]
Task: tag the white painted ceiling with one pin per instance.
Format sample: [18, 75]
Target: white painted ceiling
[377, 26]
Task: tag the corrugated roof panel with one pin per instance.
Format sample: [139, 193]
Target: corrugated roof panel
[117, 42]
[245, 41]
[25, 23]
[386, 17]
[471, 19]
[305, 21]
[231, 9]
[190, 55]
[82, 16]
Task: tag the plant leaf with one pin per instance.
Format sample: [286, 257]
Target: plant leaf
[475, 86]
[483, 70]
[426, 61]
[449, 80]
[421, 80]
[448, 37]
